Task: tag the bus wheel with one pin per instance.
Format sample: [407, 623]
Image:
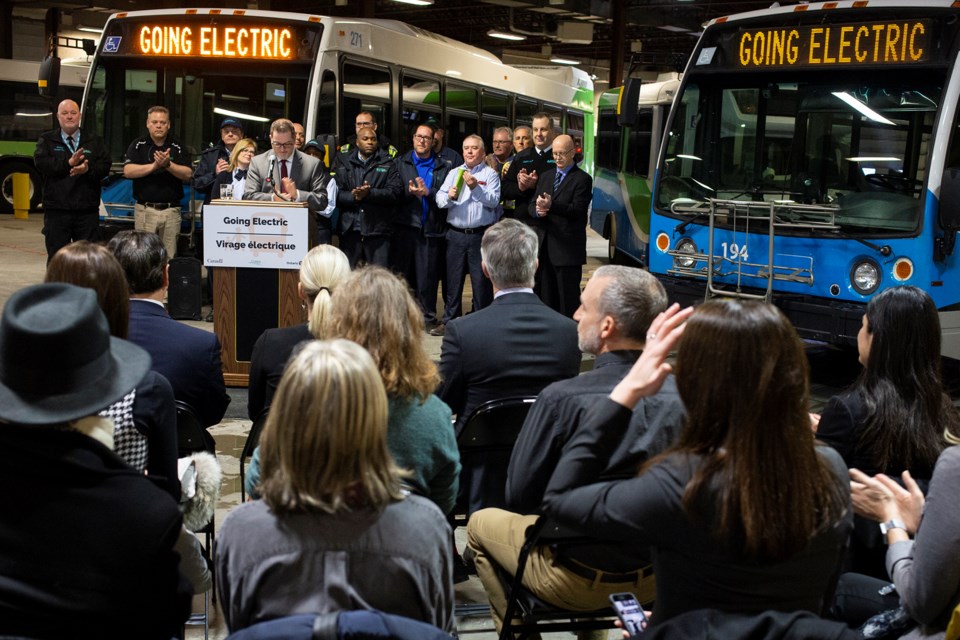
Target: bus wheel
[6, 185]
[613, 254]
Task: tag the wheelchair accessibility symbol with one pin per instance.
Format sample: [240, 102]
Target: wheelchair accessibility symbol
[112, 44]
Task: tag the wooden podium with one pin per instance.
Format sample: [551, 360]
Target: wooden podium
[253, 250]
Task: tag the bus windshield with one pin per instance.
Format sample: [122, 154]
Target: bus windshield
[856, 142]
[199, 94]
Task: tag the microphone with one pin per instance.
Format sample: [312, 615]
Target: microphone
[273, 165]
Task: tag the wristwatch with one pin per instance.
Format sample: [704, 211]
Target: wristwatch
[891, 524]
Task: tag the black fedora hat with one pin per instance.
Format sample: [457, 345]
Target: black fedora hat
[58, 361]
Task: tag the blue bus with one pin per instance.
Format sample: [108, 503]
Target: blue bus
[812, 159]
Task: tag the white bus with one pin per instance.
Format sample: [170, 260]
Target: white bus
[206, 64]
[24, 115]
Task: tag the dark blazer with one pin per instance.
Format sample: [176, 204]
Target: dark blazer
[188, 358]
[565, 225]
[516, 346]
[86, 542]
[269, 359]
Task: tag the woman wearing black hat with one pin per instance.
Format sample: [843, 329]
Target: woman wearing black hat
[86, 541]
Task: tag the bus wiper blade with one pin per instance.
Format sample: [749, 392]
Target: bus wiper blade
[883, 250]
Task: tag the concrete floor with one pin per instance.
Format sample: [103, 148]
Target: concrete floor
[23, 262]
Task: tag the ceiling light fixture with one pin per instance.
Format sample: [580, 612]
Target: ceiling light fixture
[419, 3]
[237, 114]
[559, 60]
[505, 35]
[90, 29]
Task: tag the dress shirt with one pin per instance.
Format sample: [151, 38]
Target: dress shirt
[72, 142]
[481, 206]
[503, 292]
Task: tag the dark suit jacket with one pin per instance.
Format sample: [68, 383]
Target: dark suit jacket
[565, 225]
[269, 359]
[514, 347]
[86, 542]
[188, 358]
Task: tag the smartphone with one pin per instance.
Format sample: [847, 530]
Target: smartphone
[629, 611]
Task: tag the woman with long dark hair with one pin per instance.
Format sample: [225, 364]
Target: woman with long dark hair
[744, 513]
[896, 414]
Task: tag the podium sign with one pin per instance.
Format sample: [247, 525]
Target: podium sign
[255, 249]
[261, 235]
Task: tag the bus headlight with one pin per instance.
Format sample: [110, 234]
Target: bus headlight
[685, 246]
[865, 277]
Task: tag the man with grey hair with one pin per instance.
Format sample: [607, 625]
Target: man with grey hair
[516, 346]
[617, 306]
[470, 194]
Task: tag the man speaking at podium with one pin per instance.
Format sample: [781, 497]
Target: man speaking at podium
[283, 174]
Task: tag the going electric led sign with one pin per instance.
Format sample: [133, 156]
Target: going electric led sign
[216, 41]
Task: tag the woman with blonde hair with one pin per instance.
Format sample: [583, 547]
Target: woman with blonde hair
[375, 309]
[321, 272]
[334, 531]
[236, 173]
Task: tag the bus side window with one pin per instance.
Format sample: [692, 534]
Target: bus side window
[326, 105]
[364, 89]
[638, 145]
[608, 140]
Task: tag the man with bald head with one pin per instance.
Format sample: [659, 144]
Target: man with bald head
[72, 164]
[563, 195]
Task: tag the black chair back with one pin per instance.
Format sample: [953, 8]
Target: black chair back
[191, 434]
[485, 443]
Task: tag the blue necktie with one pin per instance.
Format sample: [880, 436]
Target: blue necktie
[557, 180]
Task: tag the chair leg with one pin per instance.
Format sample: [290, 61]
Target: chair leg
[243, 490]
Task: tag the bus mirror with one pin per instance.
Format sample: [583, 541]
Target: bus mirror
[949, 216]
[48, 84]
[629, 102]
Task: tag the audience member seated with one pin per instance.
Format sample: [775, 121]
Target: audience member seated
[744, 514]
[188, 358]
[616, 309]
[334, 531]
[925, 570]
[896, 414]
[516, 346]
[375, 309]
[236, 173]
[322, 271]
[86, 541]
[145, 432]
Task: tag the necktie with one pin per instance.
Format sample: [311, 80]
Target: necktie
[70, 144]
[283, 169]
[557, 180]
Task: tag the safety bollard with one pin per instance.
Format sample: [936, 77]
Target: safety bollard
[21, 195]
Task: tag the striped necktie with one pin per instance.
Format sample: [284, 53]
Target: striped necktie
[557, 180]
[70, 145]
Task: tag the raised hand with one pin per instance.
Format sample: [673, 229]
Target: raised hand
[648, 373]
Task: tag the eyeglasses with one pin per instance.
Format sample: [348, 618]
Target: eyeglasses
[282, 145]
[423, 138]
[247, 150]
[562, 153]
[503, 142]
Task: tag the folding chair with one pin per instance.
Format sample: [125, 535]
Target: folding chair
[253, 439]
[526, 614]
[485, 443]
